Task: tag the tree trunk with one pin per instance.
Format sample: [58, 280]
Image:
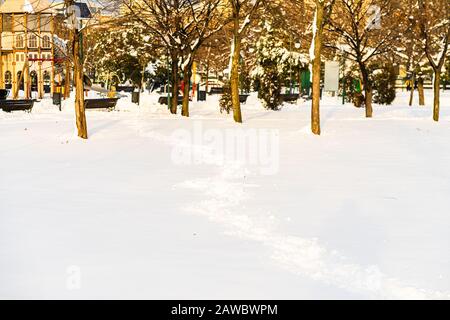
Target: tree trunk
[186, 89]
[411, 94]
[421, 93]
[316, 70]
[207, 77]
[27, 82]
[436, 89]
[143, 79]
[79, 85]
[67, 82]
[234, 75]
[367, 89]
[369, 110]
[174, 89]
[300, 82]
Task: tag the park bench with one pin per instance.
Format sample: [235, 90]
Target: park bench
[16, 105]
[106, 103]
[164, 100]
[128, 89]
[243, 98]
[216, 90]
[3, 94]
[289, 97]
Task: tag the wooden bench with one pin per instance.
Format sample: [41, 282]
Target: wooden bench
[3, 94]
[106, 103]
[128, 89]
[16, 105]
[290, 97]
[216, 90]
[164, 100]
[243, 98]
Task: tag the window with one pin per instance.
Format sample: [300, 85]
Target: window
[46, 42]
[7, 23]
[19, 41]
[32, 22]
[19, 23]
[46, 78]
[46, 23]
[32, 42]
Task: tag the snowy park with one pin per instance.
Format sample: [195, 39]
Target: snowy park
[360, 212]
[218, 150]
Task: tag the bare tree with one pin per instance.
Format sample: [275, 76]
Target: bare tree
[165, 20]
[182, 26]
[204, 21]
[322, 14]
[365, 29]
[242, 12]
[435, 32]
[411, 51]
[75, 39]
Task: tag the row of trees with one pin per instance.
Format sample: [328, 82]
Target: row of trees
[371, 32]
[268, 38]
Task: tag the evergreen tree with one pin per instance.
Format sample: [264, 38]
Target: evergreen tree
[226, 103]
[384, 85]
[273, 62]
[269, 57]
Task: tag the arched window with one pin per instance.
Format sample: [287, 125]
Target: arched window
[46, 42]
[46, 78]
[34, 80]
[32, 42]
[8, 77]
[19, 41]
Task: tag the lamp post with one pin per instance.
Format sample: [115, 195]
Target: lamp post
[168, 80]
[297, 46]
[290, 64]
[344, 80]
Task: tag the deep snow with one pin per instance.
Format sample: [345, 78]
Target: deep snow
[158, 206]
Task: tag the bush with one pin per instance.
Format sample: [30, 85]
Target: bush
[384, 85]
[358, 100]
[225, 102]
[270, 89]
[245, 81]
[353, 93]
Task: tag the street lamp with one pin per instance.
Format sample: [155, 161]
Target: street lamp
[297, 46]
[290, 64]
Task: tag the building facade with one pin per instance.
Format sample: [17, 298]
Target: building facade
[26, 46]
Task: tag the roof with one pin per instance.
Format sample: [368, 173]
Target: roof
[22, 6]
[85, 12]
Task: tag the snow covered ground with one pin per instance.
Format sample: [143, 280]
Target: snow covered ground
[158, 206]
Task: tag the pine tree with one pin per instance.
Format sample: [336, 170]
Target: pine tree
[270, 50]
[384, 84]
